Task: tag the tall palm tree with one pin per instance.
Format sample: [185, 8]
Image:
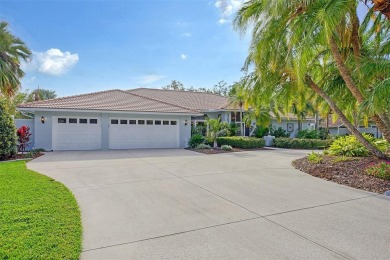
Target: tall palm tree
[238, 97]
[309, 47]
[12, 52]
[41, 94]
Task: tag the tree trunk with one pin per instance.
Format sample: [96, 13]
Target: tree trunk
[344, 72]
[215, 143]
[375, 151]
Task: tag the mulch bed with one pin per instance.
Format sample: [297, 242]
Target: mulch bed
[350, 173]
[22, 156]
[219, 150]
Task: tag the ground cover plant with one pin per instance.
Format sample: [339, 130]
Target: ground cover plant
[39, 218]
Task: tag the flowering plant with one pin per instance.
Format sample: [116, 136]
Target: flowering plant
[380, 170]
[24, 135]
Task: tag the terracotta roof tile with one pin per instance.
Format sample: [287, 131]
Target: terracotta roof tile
[111, 100]
[192, 100]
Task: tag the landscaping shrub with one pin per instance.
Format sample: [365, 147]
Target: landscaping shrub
[380, 170]
[241, 142]
[226, 147]
[279, 132]
[195, 140]
[260, 132]
[315, 157]
[312, 134]
[349, 146]
[301, 143]
[24, 136]
[203, 146]
[7, 133]
[209, 141]
[34, 152]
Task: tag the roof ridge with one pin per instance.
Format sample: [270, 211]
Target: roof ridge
[186, 91]
[160, 101]
[67, 97]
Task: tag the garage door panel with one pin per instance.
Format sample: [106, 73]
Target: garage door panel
[76, 136]
[143, 136]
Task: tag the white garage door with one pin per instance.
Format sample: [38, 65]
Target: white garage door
[143, 133]
[76, 133]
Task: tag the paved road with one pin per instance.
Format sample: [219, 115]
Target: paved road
[153, 204]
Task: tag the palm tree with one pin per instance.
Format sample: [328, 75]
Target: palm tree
[307, 48]
[238, 97]
[215, 129]
[41, 94]
[12, 51]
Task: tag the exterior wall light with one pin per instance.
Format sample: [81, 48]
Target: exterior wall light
[185, 122]
[43, 120]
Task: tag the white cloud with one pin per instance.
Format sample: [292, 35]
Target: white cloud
[227, 8]
[183, 56]
[222, 21]
[52, 62]
[148, 79]
[187, 34]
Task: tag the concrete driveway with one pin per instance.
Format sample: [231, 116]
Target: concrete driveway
[248, 205]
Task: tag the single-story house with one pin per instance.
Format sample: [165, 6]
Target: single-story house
[130, 119]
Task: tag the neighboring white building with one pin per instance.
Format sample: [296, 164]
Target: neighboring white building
[137, 118]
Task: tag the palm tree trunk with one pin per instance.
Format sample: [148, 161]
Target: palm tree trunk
[375, 151]
[344, 72]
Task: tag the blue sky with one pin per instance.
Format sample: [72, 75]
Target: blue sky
[86, 46]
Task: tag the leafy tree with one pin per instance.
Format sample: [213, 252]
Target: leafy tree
[7, 133]
[12, 51]
[318, 50]
[175, 85]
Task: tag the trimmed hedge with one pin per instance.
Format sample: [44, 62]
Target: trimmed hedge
[241, 142]
[301, 143]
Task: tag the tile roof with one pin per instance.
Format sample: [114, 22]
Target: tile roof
[192, 100]
[110, 100]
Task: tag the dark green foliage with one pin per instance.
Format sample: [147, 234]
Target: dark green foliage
[312, 134]
[195, 140]
[233, 128]
[198, 129]
[279, 132]
[301, 143]
[209, 141]
[7, 133]
[241, 142]
[260, 132]
[39, 217]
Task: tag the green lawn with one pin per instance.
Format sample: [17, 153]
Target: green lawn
[39, 217]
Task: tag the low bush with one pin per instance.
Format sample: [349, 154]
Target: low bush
[226, 147]
[279, 132]
[195, 140]
[301, 143]
[203, 146]
[381, 170]
[209, 141]
[349, 146]
[34, 152]
[315, 157]
[260, 132]
[313, 134]
[7, 133]
[241, 142]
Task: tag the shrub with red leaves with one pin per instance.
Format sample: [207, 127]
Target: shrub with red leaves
[23, 138]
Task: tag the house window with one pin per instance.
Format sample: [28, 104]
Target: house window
[165, 122]
[157, 122]
[72, 120]
[132, 122]
[149, 122]
[62, 120]
[235, 116]
[173, 122]
[123, 122]
[141, 122]
[93, 121]
[83, 121]
[114, 121]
